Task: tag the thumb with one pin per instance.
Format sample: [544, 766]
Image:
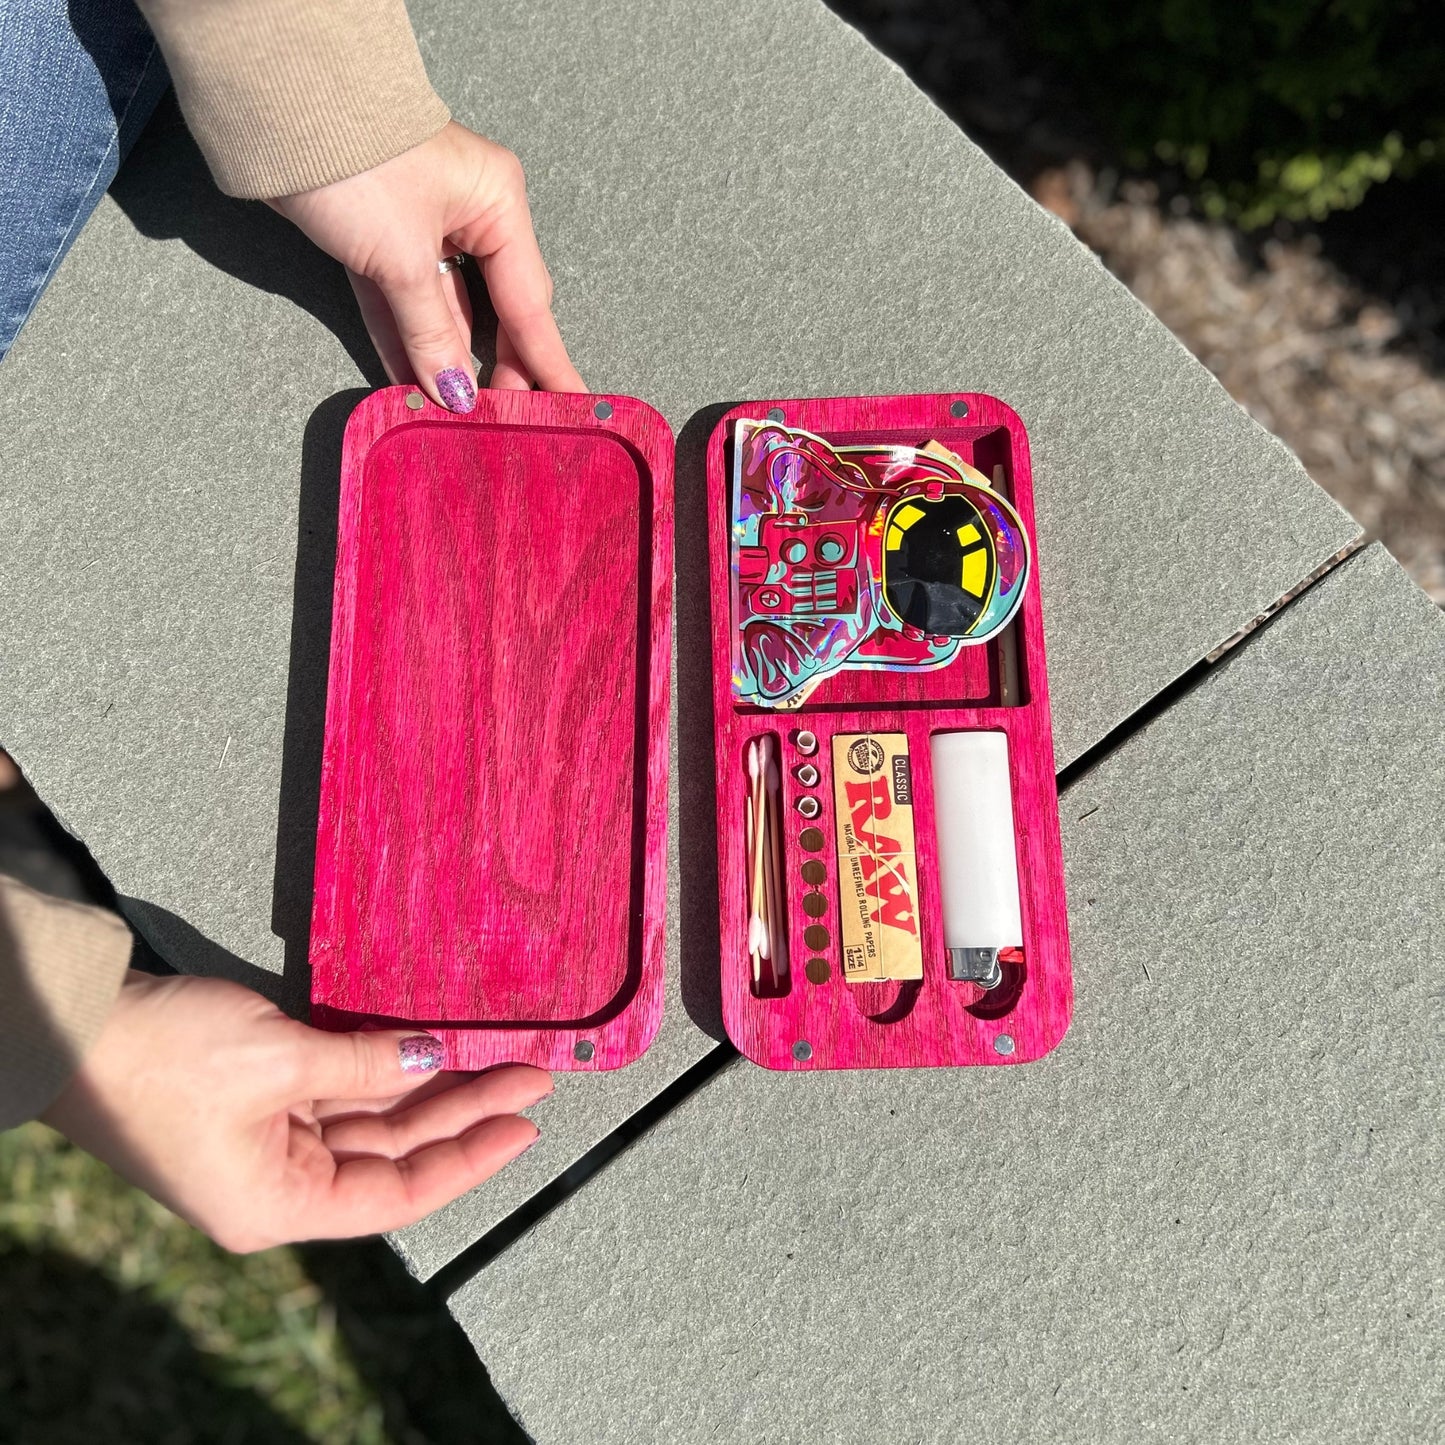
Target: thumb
[368, 1064]
[439, 354]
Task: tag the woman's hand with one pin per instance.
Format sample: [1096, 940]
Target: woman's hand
[260, 1130]
[391, 225]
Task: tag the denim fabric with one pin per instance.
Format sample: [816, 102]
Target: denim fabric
[78, 81]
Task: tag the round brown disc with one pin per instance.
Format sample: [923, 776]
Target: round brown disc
[813, 872]
[811, 839]
[815, 905]
[816, 937]
[817, 970]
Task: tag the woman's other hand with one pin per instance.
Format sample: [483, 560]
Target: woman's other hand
[260, 1130]
[391, 225]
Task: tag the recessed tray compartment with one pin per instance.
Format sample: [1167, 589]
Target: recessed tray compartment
[491, 838]
[989, 674]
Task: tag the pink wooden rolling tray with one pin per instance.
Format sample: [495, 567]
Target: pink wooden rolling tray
[491, 842]
[938, 1020]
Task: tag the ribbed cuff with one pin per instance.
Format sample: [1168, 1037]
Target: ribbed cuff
[61, 966]
[286, 95]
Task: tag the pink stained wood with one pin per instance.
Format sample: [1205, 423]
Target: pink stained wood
[834, 1024]
[491, 843]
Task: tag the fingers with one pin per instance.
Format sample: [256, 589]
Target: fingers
[369, 1064]
[421, 305]
[454, 288]
[521, 294]
[371, 1195]
[501, 237]
[381, 327]
[509, 374]
[381, 324]
[332, 1111]
[441, 1115]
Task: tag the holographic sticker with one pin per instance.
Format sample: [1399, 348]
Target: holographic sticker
[861, 557]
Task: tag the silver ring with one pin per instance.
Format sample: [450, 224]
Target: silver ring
[451, 263]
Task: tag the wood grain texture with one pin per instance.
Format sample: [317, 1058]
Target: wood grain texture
[491, 844]
[937, 1021]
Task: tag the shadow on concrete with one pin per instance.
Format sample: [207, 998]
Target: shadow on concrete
[696, 781]
[305, 727]
[162, 935]
[168, 194]
[83, 1362]
[408, 1348]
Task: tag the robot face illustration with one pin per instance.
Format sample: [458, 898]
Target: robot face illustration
[801, 569]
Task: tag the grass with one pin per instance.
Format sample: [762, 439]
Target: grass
[120, 1323]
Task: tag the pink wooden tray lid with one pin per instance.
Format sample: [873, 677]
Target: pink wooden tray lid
[491, 840]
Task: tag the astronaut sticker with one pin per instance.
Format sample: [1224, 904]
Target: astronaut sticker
[871, 557]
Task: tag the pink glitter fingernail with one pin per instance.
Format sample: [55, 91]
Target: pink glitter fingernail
[457, 389]
[421, 1054]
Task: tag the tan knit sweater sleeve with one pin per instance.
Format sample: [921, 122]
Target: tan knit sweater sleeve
[285, 95]
[61, 966]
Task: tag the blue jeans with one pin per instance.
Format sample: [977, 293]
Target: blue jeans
[78, 81]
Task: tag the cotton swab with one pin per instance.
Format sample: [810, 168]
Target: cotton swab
[774, 844]
[752, 951]
[757, 928]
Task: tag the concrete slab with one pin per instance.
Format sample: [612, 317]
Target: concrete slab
[1214, 1214]
[735, 200]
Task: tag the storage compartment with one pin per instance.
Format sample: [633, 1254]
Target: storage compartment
[877, 980]
[761, 787]
[798, 560]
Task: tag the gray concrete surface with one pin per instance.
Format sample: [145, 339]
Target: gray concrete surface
[735, 200]
[1214, 1214]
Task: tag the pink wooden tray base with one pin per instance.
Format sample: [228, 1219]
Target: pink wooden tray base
[491, 843]
[835, 1024]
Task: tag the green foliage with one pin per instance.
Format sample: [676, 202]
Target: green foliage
[1271, 108]
[118, 1323]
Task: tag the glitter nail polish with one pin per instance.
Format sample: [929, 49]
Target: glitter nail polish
[421, 1054]
[457, 389]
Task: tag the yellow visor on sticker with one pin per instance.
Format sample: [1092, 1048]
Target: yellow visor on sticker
[975, 571]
